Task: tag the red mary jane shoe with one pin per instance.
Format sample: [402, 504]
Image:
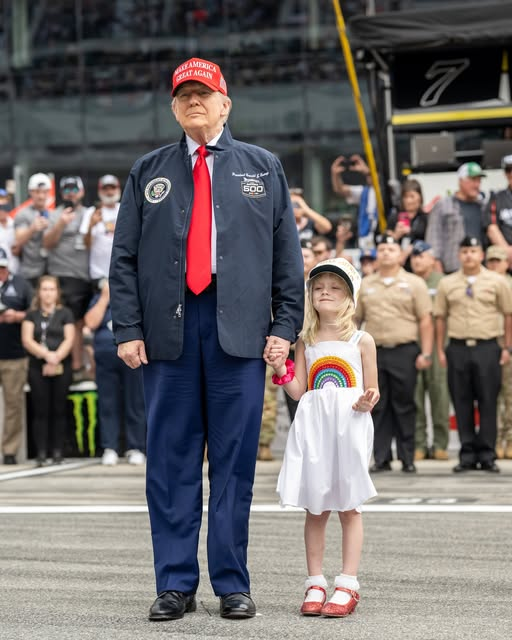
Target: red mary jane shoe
[313, 608]
[333, 610]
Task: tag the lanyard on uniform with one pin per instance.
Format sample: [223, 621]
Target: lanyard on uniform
[45, 323]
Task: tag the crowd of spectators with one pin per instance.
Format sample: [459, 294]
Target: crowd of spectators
[63, 254]
[72, 243]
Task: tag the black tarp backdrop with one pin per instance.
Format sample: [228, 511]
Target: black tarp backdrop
[464, 25]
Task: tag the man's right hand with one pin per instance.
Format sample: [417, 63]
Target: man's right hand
[133, 353]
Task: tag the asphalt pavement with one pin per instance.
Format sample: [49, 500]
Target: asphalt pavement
[76, 562]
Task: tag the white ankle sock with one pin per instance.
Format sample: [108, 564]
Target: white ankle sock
[348, 582]
[315, 595]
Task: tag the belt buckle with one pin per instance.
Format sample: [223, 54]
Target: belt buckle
[470, 342]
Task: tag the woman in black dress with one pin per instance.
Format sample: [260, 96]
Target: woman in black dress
[47, 333]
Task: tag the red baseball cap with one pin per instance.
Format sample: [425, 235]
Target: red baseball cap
[199, 70]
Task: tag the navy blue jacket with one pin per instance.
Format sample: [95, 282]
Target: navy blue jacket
[260, 282]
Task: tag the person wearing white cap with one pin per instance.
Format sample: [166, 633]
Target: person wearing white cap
[15, 299]
[499, 209]
[457, 216]
[30, 224]
[329, 446]
[98, 226]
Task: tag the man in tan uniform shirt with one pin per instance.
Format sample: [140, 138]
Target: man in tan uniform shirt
[395, 308]
[469, 307]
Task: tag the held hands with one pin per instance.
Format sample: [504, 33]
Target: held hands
[275, 354]
[52, 358]
[133, 353]
[367, 401]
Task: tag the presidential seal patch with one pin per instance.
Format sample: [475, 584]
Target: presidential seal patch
[253, 187]
[157, 189]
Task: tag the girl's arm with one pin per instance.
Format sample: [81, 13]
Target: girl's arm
[371, 393]
[296, 388]
[32, 346]
[64, 348]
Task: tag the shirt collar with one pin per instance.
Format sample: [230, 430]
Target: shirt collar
[193, 146]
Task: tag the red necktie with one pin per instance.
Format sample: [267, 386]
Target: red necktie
[199, 251]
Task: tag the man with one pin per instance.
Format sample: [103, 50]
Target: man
[362, 196]
[98, 226]
[7, 234]
[15, 299]
[395, 307]
[309, 222]
[496, 259]
[430, 381]
[30, 224]
[456, 216]
[368, 262]
[499, 210]
[469, 308]
[194, 297]
[322, 248]
[68, 260]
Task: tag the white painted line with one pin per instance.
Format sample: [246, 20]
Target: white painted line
[260, 508]
[49, 469]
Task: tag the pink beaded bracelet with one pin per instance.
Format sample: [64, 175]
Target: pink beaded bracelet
[288, 376]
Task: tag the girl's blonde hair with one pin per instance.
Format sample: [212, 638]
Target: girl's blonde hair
[36, 300]
[345, 323]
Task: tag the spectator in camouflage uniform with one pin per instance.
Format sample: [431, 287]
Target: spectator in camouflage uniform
[431, 381]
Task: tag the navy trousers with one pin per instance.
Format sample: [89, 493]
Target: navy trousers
[206, 396]
[120, 402]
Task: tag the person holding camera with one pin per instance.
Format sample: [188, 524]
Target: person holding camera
[68, 260]
[15, 298]
[47, 334]
[309, 222]
[29, 225]
[363, 196]
[98, 227]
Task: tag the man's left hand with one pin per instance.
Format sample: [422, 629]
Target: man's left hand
[284, 348]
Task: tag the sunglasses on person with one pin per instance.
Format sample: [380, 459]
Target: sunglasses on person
[469, 290]
[70, 190]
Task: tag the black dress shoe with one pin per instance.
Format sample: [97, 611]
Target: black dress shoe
[491, 467]
[408, 468]
[464, 466]
[9, 459]
[377, 468]
[237, 605]
[172, 605]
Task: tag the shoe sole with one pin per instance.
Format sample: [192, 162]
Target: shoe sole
[237, 615]
[162, 617]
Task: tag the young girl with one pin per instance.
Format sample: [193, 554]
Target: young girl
[325, 466]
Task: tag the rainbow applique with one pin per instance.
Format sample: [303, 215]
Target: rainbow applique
[331, 371]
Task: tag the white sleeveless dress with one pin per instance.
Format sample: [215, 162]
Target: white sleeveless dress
[329, 446]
